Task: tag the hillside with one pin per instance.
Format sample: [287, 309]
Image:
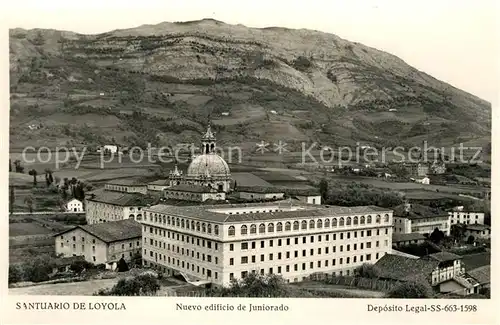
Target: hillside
[161, 83]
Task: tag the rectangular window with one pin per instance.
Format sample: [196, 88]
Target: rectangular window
[231, 276]
[253, 258]
[288, 241]
[377, 244]
[231, 261]
[270, 270]
[296, 267]
[270, 257]
[262, 244]
[271, 243]
[303, 252]
[368, 257]
[355, 234]
[303, 266]
[296, 254]
[333, 262]
[354, 259]
[303, 240]
[341, 235]
[312, 239]
[311, 265]
[341, 248]
[296, 240]
[340, 260]
[348, 260]
[334, 236]
[326, 263]
[348, 248]
[288, 268]
[319, 251]
[231, 248]
[348, 235]
[262, 257]
[287, 254]
[279, 256]
[326, 250]
[369, 244]
[244, 246]
[279, 242]
[279, 269]
[253, 245]
[244, 259]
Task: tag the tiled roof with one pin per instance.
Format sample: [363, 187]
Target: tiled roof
[259, 189]
[191, 188]
[207, 212]
[402, 268]
[481, 274]
[418, 211]
[462, 281]
[305, 191]
[120, 198]
[127, 182]
[160, 182]
[442, 256]
[406, 237]
[112, 231]
[477, 227]
[249, 179]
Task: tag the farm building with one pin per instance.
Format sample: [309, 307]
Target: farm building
[103, 243]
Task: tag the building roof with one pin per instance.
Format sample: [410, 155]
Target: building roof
[249, 180]
[442, 256]
[477, 227]
[418, 211]
[160, 182]
[481, 274]
[403, 268]
[111, 231]
[213, 212]
[407, 237]
[473, 261]
[191, 188]
[127, 182]
[304, 191]
[120, 198]
[259, 189]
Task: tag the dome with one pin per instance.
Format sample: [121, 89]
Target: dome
[211, 164]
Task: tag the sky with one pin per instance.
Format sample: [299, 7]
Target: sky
[455, 41]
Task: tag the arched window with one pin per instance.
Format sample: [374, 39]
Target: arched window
[187, 224]
[355, 221]
[362, 220]
[197, 226]
[369, 219]
[334, 222]
[270, 227]
[341, 222]
[349, 221]
[327, 223]
[319, 224]
[168, 220]
[139, 217]
[377, 218]
[244, 230]
[209, 228]
[386, 218]
[192, 225]
[295, 225]
[303, 225]
[177, 222]
[288, 226]
[279, 226]
[131, 216]
[182, 223]
[216, 230]
[262, 228]
[311, 224]
[203, 227]
[230, 231]
[253, 229]
[156, 217]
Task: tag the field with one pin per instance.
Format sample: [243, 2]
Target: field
[84, 288]
[27, 228]
[318, 286]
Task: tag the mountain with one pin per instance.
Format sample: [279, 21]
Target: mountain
[162, 83]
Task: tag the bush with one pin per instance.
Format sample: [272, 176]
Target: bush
[412, 289]
[79, 266]
[15, 274]
[367, 271]
[253, 285]
[141, 285]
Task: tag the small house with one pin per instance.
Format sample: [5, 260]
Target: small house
[74, 205]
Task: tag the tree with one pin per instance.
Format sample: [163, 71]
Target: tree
[136, 260]
[17, 166]
[38, 269]
[122, 265]
[15, 274]
[323, 189]
[436, 236]
[457, 231]
[29, 201]
[48, 177]
[413, 289]
[367, 271]
[33, 173]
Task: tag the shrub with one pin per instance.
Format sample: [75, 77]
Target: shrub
[302, 63]
[367, 271]
[15, 274]
[412, 289]
[141, 285]
[80, 265]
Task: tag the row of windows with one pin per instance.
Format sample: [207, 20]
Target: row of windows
[319, 238]
[188, 266]
[306, 253]
[184, 224]
[183, 251]
[304, 225]
[183, 238]
[312, 265]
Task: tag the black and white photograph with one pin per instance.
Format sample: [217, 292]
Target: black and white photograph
[260, 150]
